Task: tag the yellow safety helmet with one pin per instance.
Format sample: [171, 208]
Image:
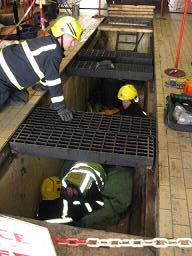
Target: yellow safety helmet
[51, 188]
[128, 92]
[67, 25]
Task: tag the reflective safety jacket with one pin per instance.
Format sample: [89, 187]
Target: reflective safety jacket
[34, 60]
[88, 178]
[84, 176]
[117, 195]
[65, 211]
[133, 110]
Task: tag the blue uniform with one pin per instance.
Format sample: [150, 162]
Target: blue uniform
[24, 64]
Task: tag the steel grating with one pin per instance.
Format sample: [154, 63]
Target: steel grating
[119, 56]
[127, 21]
[121, 71]
[42, 117]
[44, 135]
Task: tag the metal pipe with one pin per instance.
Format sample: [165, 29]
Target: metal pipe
[99, 13]
[181, 33]
[42, 18]
[5, 5]
[162, 7]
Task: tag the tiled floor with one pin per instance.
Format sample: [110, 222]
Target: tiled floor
[175, 148]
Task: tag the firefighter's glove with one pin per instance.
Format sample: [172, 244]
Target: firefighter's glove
[65, 114]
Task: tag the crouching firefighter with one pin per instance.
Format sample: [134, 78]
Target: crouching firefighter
[77, 195]
[130, 101]
[24, 64]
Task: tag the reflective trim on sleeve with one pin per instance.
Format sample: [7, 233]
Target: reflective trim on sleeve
[79, 165]
[32, 60]
[60, 220]
[64, 183]
[43, 83]
[65, 208]
[8, 72]
[86, 172]
[85, 182]
[44, 49]
[100, 203]
[53, 82]
[76, 202]
[88, 206]
[144, 112]
[57, 99]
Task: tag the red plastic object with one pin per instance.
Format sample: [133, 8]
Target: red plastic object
[162, 6]
[188, 88]
[175, 71]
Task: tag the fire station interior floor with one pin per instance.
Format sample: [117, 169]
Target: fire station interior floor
[174, 200]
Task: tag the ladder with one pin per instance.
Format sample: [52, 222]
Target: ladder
[63, 4]
[135, 42]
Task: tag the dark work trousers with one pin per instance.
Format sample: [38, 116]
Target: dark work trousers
[9, 94]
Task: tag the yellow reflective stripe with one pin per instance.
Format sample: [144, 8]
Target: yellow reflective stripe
[8, 72]
[53, 82]
[43, 49]
[57, 99]
[32, 60]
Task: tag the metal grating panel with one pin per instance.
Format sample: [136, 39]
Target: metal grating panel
[43, 117]
[119, 56]
[127, 21]
[121, 71]
[40, 135]
[139, 2]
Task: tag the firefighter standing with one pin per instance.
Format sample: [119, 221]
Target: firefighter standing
[24, 64]
[129, 97]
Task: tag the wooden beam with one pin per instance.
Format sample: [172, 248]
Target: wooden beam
[131, 16]
[116, 28]
[131, 6]
[131, 11]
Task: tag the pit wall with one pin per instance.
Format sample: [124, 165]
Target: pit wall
[20, 183]
[20, 178]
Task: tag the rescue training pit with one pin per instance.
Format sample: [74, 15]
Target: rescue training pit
[132, 197]
[94, 93]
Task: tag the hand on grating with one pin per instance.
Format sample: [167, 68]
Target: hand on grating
[65, 114]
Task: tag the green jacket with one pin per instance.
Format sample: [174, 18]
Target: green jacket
[117, 197]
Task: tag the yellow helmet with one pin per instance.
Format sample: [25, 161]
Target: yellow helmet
[51, 188]
[128, 92]
[67, 25]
